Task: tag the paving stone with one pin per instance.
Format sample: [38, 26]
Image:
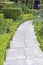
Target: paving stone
[19, 32]
[14, 62]
[32, 43]
[18, 37]
[32, 52]
[34, 61]
[13, 54]
[29, 62]
[17, 44]
[30, 34]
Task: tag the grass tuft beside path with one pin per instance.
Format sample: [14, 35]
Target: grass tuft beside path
[38, 27]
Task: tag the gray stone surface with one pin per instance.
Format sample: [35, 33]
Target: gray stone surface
[33, 52]
[24, 47]
[13, 54]
[15, 62]
[34, 61]
[17, 43]
[31, 43]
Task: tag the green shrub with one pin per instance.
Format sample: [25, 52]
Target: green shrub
[24, 8]
[26, 17]
[1, 16]
[1, 5]
[1, 10]
[38, 27]
[29, 6]
[12, 4]
[12, 12]
[5, 25]
[31, 11]
[40, 12]
[1, 21]
[4, 42]
[8, 4]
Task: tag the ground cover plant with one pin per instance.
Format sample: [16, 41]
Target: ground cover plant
[38, 26]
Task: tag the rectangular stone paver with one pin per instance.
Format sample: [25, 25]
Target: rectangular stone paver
[13, 54]
[15, 62]
[34, 61]
[19, 32]
[24, 48]
[28, 37]
[31, 43]
[32, 52]
[17, 43]
[18, 37]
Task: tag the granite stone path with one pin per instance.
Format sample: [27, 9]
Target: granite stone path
[24, 47]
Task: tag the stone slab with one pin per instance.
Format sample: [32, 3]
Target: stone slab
[14, 62]
[33, 52]
[13, 54]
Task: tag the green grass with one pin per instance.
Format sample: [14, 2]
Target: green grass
[38, 27]
[6, 37]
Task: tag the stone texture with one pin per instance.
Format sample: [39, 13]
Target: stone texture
[34, 61]
[17, 44]
[14, 62]
[13, 54]
[33, 52]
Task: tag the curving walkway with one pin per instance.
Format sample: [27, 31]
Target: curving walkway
[24, 47]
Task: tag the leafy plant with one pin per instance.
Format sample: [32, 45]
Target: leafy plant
[38, 27]
[13, 13]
